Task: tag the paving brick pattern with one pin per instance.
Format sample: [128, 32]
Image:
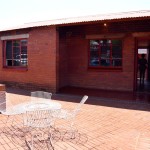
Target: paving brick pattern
[103, 124]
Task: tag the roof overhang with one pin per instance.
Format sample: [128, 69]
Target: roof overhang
[124, 16]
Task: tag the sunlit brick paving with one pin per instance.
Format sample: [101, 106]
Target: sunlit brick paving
[102, 124]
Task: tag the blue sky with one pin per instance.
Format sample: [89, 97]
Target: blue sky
[16, 12]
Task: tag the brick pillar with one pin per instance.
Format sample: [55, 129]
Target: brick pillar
[2, 97]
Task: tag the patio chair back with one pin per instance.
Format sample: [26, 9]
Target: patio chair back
[70, 115]
[2, 100]
[2, 107]
[6, 107]
[37, 95]
[78, 107]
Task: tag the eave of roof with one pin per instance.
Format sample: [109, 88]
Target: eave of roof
[85, 19]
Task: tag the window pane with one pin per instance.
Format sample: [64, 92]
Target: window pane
[105, 62]
[94, 42]
[16, 56]
[116, 42]
[105, 52]
[24, 59]
[24, 62]
[94, 53]
[117, 62]
[24, 50]
[9, 50]
[16, 62]
[16, 43]
[16, 52]
[94, 62]
[116, 52]
[105, 42]
[24, 42]
[24, 56]
[9, 62]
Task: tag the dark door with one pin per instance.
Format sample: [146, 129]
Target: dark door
[148, 69]
[142, 47]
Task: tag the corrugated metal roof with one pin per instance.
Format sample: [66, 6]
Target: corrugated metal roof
[93, 18]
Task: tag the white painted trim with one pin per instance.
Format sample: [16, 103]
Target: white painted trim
[10, 37]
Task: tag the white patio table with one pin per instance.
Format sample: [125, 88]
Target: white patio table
[41, 104]
[22, 108]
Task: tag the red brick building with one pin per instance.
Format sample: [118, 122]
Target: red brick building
[99, 52]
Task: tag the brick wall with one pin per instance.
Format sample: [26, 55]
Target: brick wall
[41, 73]
[53, 64]
[63, 63]
[77, 73]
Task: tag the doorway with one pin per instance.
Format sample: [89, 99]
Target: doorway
[143, 47]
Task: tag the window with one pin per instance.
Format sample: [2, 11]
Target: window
[15, 53]
[105, 53]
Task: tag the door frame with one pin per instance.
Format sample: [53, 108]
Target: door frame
[136, 59]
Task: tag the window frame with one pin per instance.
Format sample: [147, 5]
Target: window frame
[22, 67]
[105, 68]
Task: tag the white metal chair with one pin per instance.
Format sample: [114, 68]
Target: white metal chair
[37, 121]
[70, 115]
[38, 95]
[2, 107]
[8, 109]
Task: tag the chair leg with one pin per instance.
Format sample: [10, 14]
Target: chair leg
[72, 128]
[29, 145]
[50, 141]
[6, 123]
[9, 118]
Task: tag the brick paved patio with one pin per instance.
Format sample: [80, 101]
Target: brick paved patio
[103, 124]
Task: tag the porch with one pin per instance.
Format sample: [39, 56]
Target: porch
[139, 96]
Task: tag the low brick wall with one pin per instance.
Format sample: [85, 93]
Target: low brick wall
[2, 97]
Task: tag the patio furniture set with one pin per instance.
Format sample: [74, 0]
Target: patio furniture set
[39, 116]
